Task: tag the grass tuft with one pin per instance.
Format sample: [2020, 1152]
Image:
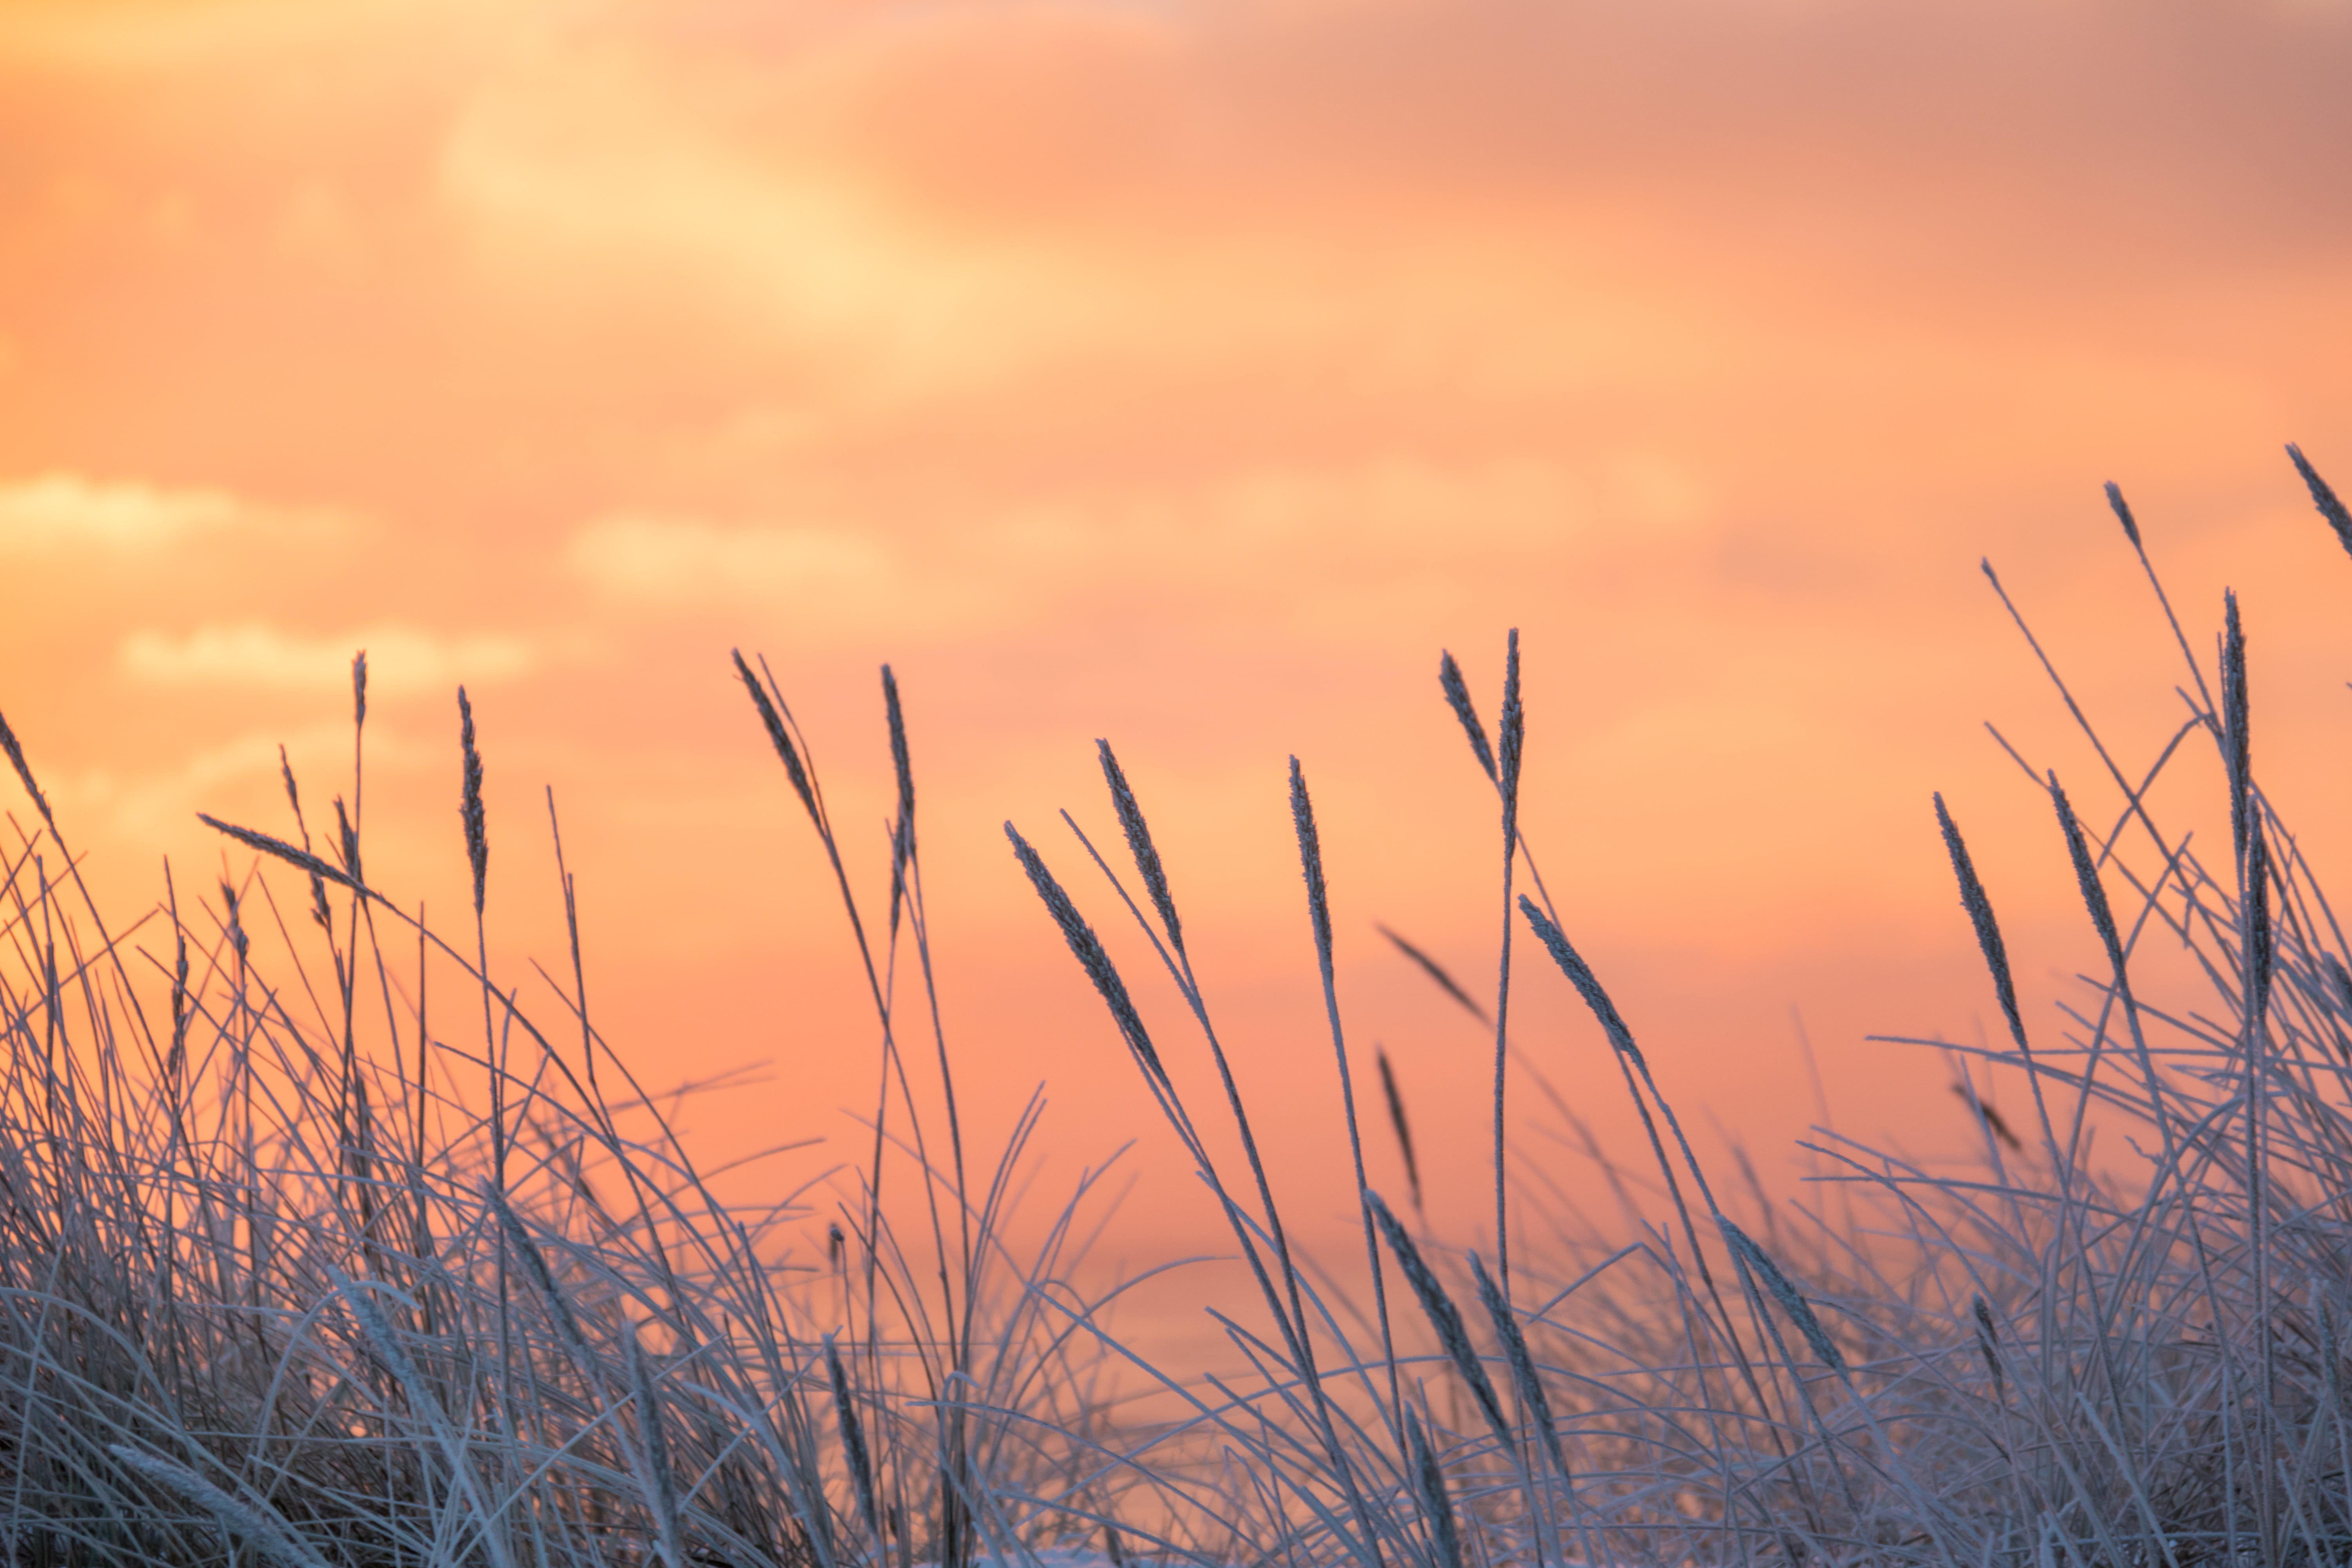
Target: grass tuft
[276, 1288]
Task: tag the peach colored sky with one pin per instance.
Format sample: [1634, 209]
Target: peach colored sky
[1188, 375]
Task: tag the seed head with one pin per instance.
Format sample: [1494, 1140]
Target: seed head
[1457, 697]
[470, 809]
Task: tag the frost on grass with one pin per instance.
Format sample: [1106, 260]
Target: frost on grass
[304, 1260]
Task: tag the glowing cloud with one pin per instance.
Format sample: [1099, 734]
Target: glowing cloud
[400, 659]
[676, 560]
[66, 511]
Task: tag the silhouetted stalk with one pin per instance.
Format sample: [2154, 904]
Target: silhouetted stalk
[2254, 941]
[1402, 1129]
[1319, 909]
[1508, 763]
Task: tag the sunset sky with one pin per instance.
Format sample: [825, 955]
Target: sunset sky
[1189, 374]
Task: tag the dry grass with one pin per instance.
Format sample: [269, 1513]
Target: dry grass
[273, 1289]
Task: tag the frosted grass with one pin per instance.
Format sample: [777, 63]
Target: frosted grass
[288, 1274]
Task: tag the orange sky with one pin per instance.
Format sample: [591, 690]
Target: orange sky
[1188, 375]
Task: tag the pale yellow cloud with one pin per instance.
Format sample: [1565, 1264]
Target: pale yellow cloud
[676, 560]
[601, 172]
[825, 581]
[65, 511]
[1327, 544]
[151, 800]
[838, 200]
[401, 659]
[145, 34]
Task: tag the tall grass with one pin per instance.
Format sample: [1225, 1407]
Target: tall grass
[297, 1273]
[293, 1271]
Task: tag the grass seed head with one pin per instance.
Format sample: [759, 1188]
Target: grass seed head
[771, 718]
[2237, 728]
[1088, 950]
[1580, 974]
[1989, 1342]
[9, 743]
[853, 1441]
[263, 1529]
[1457, 697]
[1139, 845]
[1514, 742]
[293, 795]
[1429, 1480]
[1994, 1123]
[348, 841]
[899, 761]
[1310, 861]
[1793, 1300]
[1443, 1315]
[237, 939]
[2086, 877]
[469, 806]
[653, 1454]
[2121, 509]
[1397, 1121]
[1437, 971]
[2323, 497]
[1987, 930]
[278, 849]
[319, 912]
[2261, 940]
[1533, 1400]
[902, 827]
[534, 1264]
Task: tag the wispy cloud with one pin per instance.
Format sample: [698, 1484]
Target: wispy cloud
[400, 658]
[816, 582]
[146, 34]
[1292, 543]
[57, 512]
[677, 560]
[622, 177]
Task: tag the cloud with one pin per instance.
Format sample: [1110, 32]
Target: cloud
[88, 35]
[151, 800]
[66, 511]
[1342, 542]
[676, 560]
[813, 583]
[401, 659]
[634, 176]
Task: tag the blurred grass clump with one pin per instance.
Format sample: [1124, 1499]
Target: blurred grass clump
[296, 1269]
